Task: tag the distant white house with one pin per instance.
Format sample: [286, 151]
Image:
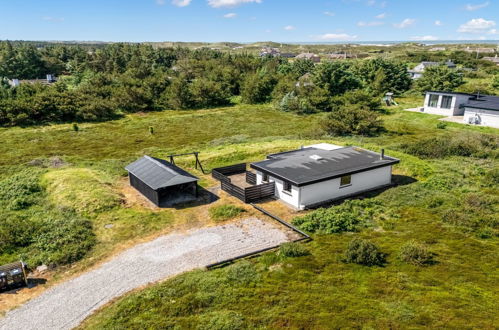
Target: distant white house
[418, 70]
[476, 109]
[321, 173]
[437, 49]
[49, 80]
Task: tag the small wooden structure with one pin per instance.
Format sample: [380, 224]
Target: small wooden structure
[13, 276]
[162, 182]
[195, 153]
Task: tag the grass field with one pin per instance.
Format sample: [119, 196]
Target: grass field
[447, 199]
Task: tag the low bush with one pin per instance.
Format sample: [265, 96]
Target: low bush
[45, 237]
[61, 240]
[491, 178]
[242, 272]
[221, 320]
[353, 120]
[224, 212]
[467, 144]
[441, 125]
[34, 231]
[20, 190]
[293, 250]
[415, 253]
[363, 252]
[81, 190]
[349, 216]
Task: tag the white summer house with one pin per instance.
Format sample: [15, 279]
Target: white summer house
[476, 109]
[322, 173]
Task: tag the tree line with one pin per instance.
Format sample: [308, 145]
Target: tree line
[106, 82]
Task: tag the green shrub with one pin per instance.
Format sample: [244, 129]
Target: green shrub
[467, 144]
[20, 190]
[349, 216]
[242, 272]
[439, 78]
[225, 212]
[415, 253]
[491, 178]
[441, 125]
[61, 240]
[45, 236]
[221, 320]
[485, 233]
[352, 120]
[81, 190]
[293, 250]
[363, 252]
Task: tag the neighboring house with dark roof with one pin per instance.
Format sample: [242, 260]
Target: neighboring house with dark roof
[322, 173]
[339, 56]
[309, 56]
[475, 108]
[419, 69]
[270, 51]
[480, 50]
[494, 59]
[162, 182]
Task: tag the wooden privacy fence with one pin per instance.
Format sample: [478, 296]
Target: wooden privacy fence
[261, 191]
[248, 194]
[221, 173]
[250, 177]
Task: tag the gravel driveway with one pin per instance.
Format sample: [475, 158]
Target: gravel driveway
[65, 305]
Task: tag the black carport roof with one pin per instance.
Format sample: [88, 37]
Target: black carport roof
[158, 173]
[311, 165]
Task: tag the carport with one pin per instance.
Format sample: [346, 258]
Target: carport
[162, 182]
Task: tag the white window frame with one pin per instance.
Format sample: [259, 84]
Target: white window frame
[450, 103]
[430, 100]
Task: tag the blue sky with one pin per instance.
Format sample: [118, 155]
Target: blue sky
[249, 20]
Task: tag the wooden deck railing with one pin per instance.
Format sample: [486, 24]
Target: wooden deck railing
[248, 194]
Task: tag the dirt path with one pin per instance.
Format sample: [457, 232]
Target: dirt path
[65, 305]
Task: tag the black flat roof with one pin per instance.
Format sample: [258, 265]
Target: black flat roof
[158, 173]
[300, 168]
[487, 102]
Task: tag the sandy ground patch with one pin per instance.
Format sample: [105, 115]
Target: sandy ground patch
[454, 119]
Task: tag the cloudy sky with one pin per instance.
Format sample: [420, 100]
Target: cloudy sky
[249, 20]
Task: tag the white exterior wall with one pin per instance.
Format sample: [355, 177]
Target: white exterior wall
[292, 198]
[327, 190]
[454, 110]
[481, 117]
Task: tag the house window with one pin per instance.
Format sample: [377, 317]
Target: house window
[345, 181]
[265, 177]
[287, 187]
[446, 102]
[433, 101]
